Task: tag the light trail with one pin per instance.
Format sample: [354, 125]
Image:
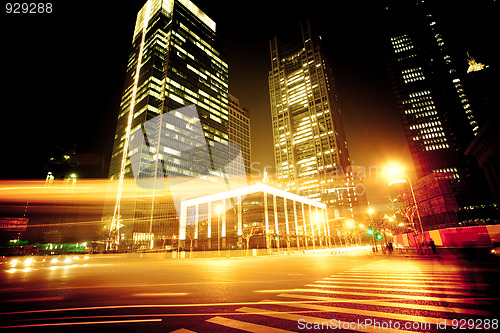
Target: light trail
[86, 323]
[158, 294]
[186, 305]
[41, 299]
[91, 191]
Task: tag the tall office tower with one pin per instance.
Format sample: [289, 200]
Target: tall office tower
[438, 119]
[310, 148]
[176, 60]
[239, 132]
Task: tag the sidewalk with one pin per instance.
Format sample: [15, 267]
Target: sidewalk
[443, 253]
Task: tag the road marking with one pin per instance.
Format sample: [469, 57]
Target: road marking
[134, 285]
[390, 304]
[426, 291]
[145, 306]
[430, 276]
[370, 313]
[413, 279]
[442, 286]
[471, 300]
[391, 277]
[245, 326]
[405, 272]
[87, 323]
[296, 317]
[158, 294]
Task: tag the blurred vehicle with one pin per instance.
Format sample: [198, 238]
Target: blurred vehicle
[44, 261]
[495, 251]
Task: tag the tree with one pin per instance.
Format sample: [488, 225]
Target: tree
[191, 233]
[247, 233]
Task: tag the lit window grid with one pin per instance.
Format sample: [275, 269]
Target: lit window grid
[167, 7]
[413, 74]
[293, 94]
[401, 43]
[239, 133]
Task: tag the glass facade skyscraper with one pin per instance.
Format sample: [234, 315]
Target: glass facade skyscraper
[310, 147]
[180, 62]
[437, 117]
[239, 132]
[176, 60]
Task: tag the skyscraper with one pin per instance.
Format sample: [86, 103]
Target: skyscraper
[438, 119]
[176, 60]
[310, 147]
[239, 132]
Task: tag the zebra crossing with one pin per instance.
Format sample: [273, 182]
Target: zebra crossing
[365, 300]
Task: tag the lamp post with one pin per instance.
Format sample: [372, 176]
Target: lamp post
[218, 209]
[395, 172]
[317, 218]
[371, 232]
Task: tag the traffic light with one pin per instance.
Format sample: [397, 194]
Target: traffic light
[276, 238]
[378, 236]
[370, 231]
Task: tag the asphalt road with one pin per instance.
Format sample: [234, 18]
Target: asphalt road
[313, 292]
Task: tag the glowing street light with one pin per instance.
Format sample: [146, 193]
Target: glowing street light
[394, 173]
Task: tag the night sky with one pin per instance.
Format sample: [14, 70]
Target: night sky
[63, 75]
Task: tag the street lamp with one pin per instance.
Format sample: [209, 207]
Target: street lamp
[371, 232]
[395, 172]
[218, 210]
[317, 217]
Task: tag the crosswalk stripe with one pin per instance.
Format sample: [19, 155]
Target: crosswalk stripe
[391, 304]
[158, 294]
[405, 272]
[297, 317]
[245, 326]
[370, 313]
[471, 300]
[442, 286]
[390, 276]
[402, 272]
[427, 291]
[341, 278]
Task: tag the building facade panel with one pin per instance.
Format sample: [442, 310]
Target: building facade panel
[269, 217]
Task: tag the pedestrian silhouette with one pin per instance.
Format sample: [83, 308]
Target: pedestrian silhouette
[433, 246]
[389, 248]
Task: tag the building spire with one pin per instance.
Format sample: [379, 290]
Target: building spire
[473, 65]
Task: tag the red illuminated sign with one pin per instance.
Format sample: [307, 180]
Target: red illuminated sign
[13, 223]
